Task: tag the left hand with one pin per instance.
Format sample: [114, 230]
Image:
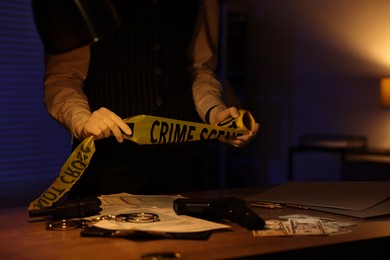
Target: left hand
[104, 123]
[238, 141]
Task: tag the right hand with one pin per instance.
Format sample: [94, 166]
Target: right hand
[238, 141]
[104, 123]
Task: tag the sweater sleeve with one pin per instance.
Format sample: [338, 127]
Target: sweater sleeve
[63, 88]
[202, 53]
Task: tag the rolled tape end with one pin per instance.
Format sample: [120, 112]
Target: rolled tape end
[246, 121]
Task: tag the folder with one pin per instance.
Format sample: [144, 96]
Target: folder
[357, 199]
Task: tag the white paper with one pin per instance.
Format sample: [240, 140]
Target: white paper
[162, 205]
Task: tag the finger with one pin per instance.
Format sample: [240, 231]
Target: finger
[117, 124]
[233, 111]
[124, 127]
[255, 130]
[223, 114]
[118, 134]
[111, 128]
[242, 138]
[96, 135]
[236, 144]
[121, 124]
[105, 127]
[235, 141]
[95, 131]
[107, 133]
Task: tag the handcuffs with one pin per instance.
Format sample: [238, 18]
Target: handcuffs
[69, 224]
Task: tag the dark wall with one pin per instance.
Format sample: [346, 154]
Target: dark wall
[314, 68]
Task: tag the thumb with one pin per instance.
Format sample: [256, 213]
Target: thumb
[223, 114]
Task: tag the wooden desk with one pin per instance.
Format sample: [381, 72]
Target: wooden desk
[24, 238]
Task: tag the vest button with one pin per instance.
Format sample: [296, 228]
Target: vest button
[157, 71]
[159, 101]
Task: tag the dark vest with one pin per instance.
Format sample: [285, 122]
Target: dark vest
[141, 67]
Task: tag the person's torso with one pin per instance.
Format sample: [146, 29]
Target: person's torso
[141, 67]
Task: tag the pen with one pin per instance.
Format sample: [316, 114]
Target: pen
[272, 205]
[296, 206]
[266, 205]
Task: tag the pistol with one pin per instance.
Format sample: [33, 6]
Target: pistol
[217, 209]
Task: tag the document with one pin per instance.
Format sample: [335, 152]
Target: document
[359, 199]
[160, 205]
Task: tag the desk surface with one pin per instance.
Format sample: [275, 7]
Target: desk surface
[25, 238]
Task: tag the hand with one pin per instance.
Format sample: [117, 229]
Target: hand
[104, 123]
[239, 141]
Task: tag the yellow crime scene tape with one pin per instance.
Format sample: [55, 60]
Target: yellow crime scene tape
[146, 130]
